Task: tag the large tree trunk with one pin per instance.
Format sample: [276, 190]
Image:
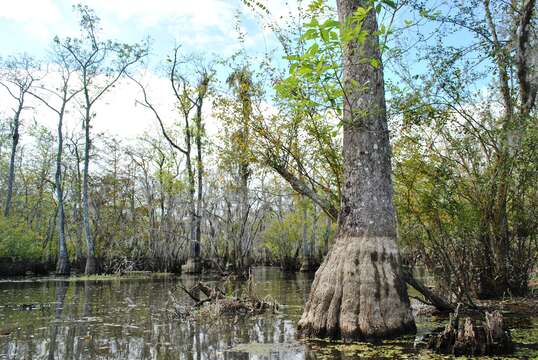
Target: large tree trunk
[62, 267]
[359, 291]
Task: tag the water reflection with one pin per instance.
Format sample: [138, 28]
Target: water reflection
[128, 319]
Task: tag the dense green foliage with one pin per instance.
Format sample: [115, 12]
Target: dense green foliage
[19, 242]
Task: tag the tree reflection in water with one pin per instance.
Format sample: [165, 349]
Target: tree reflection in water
[128, 319]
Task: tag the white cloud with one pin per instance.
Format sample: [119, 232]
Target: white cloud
[118, 113]
[201, 25]
[36, 23]
[200, 14]
[30, 11]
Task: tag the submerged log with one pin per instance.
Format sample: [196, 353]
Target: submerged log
[467, 338]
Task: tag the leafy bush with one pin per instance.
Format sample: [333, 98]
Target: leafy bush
[18, 241]
[283, 236]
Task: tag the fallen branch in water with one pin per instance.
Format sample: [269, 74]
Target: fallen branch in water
[216, 303]
[431, 298]
[211, 294]
[437, 301]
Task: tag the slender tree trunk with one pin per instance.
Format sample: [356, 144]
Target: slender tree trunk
[78, 207]
[199, 175]
[194, 252]
[306, 264]
[306, 249]
[327, 236]
[62, 266]
[244, 195]
[91, 260]
[314, 237]
[241, 81]
[245, 85]
[11, 175]
[193, 262]
[512, 126]
[244, 174]
[359, 292]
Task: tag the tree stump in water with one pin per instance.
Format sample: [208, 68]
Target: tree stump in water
[466, 338]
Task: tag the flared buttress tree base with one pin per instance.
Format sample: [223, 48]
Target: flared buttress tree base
[193, 266]
[91, 265]
[358, 293]
[308, 265]
[62, 267]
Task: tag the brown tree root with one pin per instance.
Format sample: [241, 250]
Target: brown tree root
[467, 338]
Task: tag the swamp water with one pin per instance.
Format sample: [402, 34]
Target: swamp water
[130, 318]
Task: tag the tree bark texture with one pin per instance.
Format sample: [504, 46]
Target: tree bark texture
[359, 291]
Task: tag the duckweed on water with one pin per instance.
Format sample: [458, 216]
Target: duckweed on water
[526, 336]
[361, 350]
[134, 275]
[266, 349]
[365, 350]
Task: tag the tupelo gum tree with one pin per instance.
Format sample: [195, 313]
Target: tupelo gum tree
[17, 78]
[188, 98]
[359, 292]
[61, 98]
[101, 64]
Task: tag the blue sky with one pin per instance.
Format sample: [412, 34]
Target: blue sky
[205, 27]
[199, 26]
